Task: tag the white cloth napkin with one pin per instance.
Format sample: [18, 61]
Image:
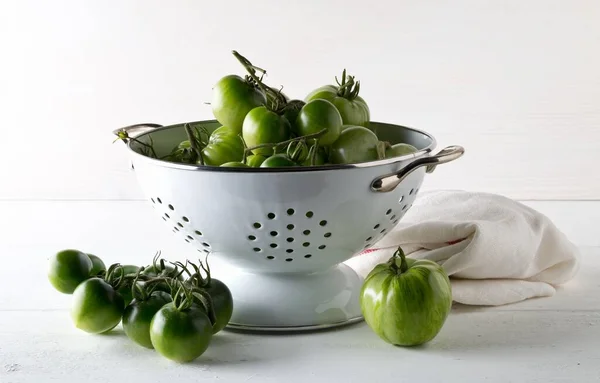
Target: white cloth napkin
[495, 250]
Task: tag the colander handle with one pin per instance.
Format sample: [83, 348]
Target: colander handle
[389, 182]
[137, 129]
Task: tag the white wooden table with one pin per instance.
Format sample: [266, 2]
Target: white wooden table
[553, 339]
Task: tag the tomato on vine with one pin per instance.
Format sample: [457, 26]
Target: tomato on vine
[68, 268]
[345, 96]
[233, 97]
[317, 115]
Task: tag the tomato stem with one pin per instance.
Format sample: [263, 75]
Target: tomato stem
[399, 253]
[279, 100]
[194, 144]
[287, 142]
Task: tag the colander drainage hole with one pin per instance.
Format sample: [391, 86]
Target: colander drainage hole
[323, 223]
[306, 232]
[252, 238]
[383, 231]
[185, 219]
[322, 247]
[187, 240]
[307, 256]
[198, 233]
[327, 235]
[388, 212]
[290, 227]
[396, 222]
[411, 191]
[164, 218]
[179, 224]
[271, 215]
[205, 244]
[152, 199]
[290, 211]
[401, 199]
[168, 216]
[158, 199]
[270, 257]
[257, 249]
[368, 239]
[171, 207]
[190, 237]
[289, 251]
[306, 244]
[273, 245]
[404, 207]
[176, 228]
[274, 234]
[290, 239]
[393, 217]
[257, 225]
[376, 227]
[289, 259]
[309, 214]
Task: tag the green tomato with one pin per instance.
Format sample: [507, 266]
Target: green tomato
[232, 98]
[262, 126]
[138, 315]
[180, 335]
[255, 160]
[234, 164]
[224, 145]
[96, 306]
[222, 303]
[97, 265]
[292, 110]
[68, 268]
[355, 144]
[398, 150]
[406, 301]
[317, 115]
[277, 161]
[353, 109]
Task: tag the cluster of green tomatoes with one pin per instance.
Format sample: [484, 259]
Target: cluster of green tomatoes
[262, 127]
[171, 307]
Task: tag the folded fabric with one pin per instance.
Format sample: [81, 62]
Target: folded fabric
[495, 250]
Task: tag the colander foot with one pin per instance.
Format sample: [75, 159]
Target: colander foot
[294, 301]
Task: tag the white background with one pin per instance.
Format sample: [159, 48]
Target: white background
[517, 83]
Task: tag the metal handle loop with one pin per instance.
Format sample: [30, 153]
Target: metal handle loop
[389, 182]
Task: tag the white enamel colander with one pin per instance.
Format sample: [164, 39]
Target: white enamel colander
[278, 237]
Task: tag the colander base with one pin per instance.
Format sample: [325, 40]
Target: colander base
[294, 301]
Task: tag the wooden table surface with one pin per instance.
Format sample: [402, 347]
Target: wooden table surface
[554, 339]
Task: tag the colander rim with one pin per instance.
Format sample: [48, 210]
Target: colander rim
[369, 164]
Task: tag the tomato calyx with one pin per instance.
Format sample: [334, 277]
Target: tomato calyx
[193, 289]
[348, 87]
[399, 253]
[276, 101]
[277, 145]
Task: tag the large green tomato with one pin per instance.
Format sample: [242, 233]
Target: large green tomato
[406, 301]
[96, 306]
[317, 115]
[180, 335]
[68, 268]
[224, 145]
[398, 150]
[138, 315]
[263, 126]
[355, 144]
[232, 98]
[352, 107]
